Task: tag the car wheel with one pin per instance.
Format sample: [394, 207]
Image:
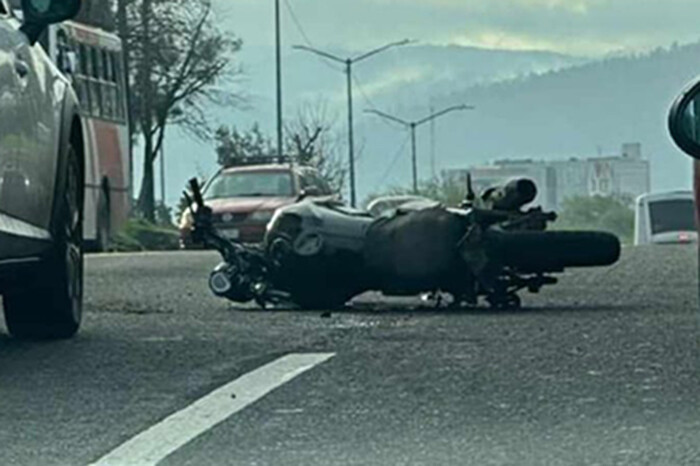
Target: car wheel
[53, 309]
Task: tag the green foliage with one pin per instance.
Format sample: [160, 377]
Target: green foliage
[234, 146]
[164, 215]
[141, 235]
[603, 213]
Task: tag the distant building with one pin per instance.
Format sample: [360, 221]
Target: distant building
[623, 175]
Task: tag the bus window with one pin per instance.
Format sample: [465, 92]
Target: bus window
[95, 91]
[83, 60]
[119, 81]
[108, 96]
[80, 80]
[63, 48]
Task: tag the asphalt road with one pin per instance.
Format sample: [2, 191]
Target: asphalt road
[602, 369]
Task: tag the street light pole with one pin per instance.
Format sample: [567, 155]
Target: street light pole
[348, 62]
[351, 137]
[412, 125]
[414, 158]
[278, 45]
[162, 173]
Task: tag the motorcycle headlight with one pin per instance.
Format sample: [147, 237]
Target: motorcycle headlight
[262, 216]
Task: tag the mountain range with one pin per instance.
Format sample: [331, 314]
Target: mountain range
[528, 105]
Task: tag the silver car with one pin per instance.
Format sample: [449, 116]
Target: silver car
[41, 179]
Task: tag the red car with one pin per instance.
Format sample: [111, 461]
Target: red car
[243, 199]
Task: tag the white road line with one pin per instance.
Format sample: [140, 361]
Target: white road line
[160, 440]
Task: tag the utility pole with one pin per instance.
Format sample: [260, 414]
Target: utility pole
[432, 140]
[412, 125]
[351, 136]
[162, 172]
[278, 45]
[123, 28]
[348, 62]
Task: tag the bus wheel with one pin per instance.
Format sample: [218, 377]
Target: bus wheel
[51, 308]
[104, 224]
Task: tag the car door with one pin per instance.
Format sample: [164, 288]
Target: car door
[17, 116]
[46, 89]
[28, 174]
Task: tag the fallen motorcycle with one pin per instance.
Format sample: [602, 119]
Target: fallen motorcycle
[319, 255]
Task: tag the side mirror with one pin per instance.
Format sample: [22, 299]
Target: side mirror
[38, 14]
[684, 121]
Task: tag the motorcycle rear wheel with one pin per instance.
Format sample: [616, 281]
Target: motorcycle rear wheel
[550, 251]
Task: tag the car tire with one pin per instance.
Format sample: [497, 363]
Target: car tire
[52, 309]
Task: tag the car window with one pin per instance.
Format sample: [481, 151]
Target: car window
[250, 184]
[4, 11]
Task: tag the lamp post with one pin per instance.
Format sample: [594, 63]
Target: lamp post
[412, 125]
[348, 62]
[278, 59]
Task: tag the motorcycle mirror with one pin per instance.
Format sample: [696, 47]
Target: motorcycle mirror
[311, 191]
[196, 192]
[189, 201]
[684, 120]
[471, 195]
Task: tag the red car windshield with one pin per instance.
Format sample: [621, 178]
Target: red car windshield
[251, 184]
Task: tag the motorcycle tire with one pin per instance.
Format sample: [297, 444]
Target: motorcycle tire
[551, 251]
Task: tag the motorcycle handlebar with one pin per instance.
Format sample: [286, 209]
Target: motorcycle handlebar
[196, 193]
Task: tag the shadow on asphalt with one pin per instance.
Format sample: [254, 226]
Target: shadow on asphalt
[382, 309]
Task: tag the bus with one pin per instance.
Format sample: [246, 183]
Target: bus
[663, 218]
[92, 58]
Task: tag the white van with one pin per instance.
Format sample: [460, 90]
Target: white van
[667, 217]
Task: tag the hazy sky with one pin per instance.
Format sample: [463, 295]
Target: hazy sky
[585, 27]
[591, 28]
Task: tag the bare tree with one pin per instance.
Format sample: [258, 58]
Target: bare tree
[313, 140]
[310, 139]
[177, 58]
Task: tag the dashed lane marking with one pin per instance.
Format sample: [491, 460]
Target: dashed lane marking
[167, 436]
